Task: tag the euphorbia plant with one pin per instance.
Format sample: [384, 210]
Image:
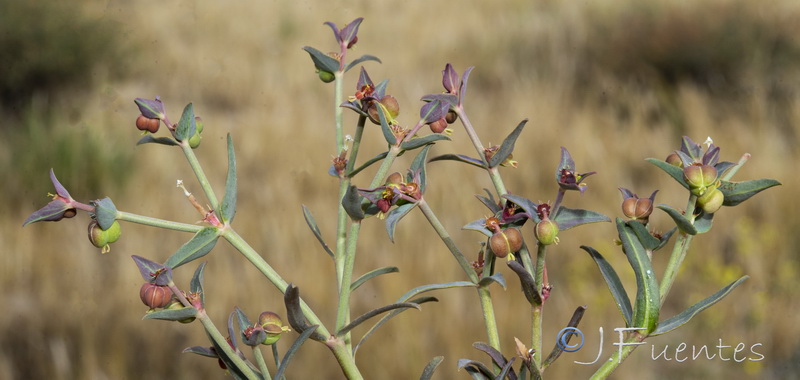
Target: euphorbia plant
[387, 197]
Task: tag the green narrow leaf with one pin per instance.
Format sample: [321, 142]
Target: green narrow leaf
[568, 217]
[187, 126]
[375, 312]
[648, 302]
[196, 285]
[420, 141]
[105, 212]
[614, 285]
[321, 60]
[293, 350]
[527, 282]
[172, 314]
[460, 158]
[394, 216]
[685, 316]
[197, 247]
[489, 201]
[386, 318]
[703, 223]
[369, 275]
[497, 277]
[228, 206]
[427, 373]
[419, 165]
[683, 224]
[352, 203]
[508, 145]
[363, 58]
[738, 192]
[149, 138]
[312, 224]
[367, 164]
[674, 171]
[649, 242]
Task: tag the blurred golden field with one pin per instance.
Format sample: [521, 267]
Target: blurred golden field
[614, 82]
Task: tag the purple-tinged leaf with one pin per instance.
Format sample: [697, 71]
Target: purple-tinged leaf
[497, 358]
[450, 79]
[294, 313]
[60, 189]
[51, 212]
[563, 340]
[172, 314]
[202, 351]
[363, 58]
[567, 218]
[526, 204]
[686, 159]
[738, 192]
[187, 125]
[665, 238]
[450, 99]
[380, 89]
[691, 148]
[566, 163]
[363, 80]
[427, 373]
[459, 158]
[473, 367]
[433, 111]
[527, 282]
[712, 155]
[152, 271]
[196, 284]
[322, 61]
[355, 106]
[350, 31]
[149, 138]
[497, 277]
[723, 166]
[462, 93]
[478, 225]
[489, 201]
[337, 34]
[151, 109]
[232, 332]
[508, 145]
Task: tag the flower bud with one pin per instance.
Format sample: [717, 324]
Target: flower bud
[272, 325]
[155, 296]
[711, 201]
[506, 242]
[546, 232]
[700, 178]
[637, 208]
[326, 76]
[143, 123]
[198, 122]
[438, 126]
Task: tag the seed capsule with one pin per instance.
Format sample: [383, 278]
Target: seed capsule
[637, 208]
[155, 296]
[144, 123]
[711, 201]
[546, 232]
[506, 242]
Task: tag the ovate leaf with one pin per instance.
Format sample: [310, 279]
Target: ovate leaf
[187, 126]
[738, 192]
[199, 246]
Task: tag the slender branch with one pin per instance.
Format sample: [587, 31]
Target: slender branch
[536, 320]
[679, 251]
[262, 365]
[630, 344]
[343, 312]
[200, 174]
[155, 222]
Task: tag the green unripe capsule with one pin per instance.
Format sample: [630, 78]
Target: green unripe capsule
[711, 201]
[194, 141]
[326, 76]
[273, 326]
[700, 178]
[546, 232]
[102, 238]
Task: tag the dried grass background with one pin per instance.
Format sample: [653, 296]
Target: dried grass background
[615, 83]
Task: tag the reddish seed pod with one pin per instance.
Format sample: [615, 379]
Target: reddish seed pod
[675, 160]
[438, 126]
[637, 208]
[506, 242]
[451, 117]
[144, 123]
[155, 296]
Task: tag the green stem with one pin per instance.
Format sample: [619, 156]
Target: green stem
[386, 164]
[201, 176]
[338, 85]
[155, 222]
[345, 358]
[343, 312]
[729, 174]
[476, 142]
[497, 181]
[351, 160]
[483, 293]
[630, 344]
[262, 365]
[536, 322]
[679, 251]
[222, 343]
[341, 230]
